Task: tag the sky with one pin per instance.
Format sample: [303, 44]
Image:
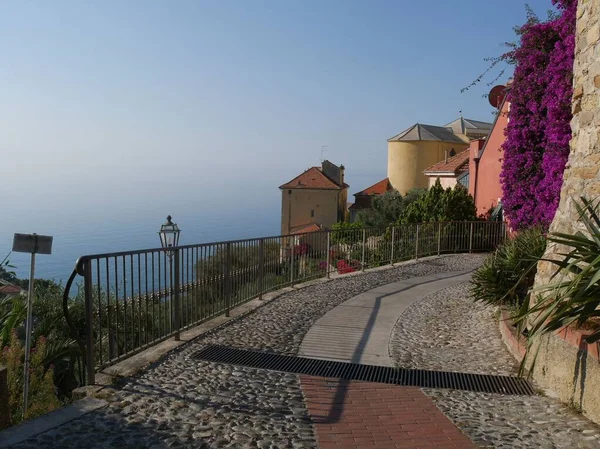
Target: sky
[112, 108]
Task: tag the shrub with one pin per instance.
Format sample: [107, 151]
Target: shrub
[385, 209]
[506, 276]
[441, 205]
[42, 393]
[346, 233]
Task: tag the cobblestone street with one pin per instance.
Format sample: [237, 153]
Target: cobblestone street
[182, 402]
[449, 331]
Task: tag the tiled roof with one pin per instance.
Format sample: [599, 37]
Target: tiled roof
[356, 206]
[9, 289]
[313, 178]
[454, 164]
[468, 126]
[377, 189]
[313, 227]
[427, 132]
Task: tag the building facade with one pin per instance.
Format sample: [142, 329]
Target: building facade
[451, 171]
[485, 165]
[314, 200]
[412, 151]
[364, 198]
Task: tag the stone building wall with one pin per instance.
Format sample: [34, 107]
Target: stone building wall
[564, 374]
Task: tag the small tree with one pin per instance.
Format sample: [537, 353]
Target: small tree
[389, 207]
[385, 209]
[441, 205]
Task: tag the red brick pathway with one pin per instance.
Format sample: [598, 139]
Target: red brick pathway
[360, 415]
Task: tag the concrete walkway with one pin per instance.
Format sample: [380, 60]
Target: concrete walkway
[359, 330]
[361, 415]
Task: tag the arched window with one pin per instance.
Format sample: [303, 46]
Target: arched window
[452, 152]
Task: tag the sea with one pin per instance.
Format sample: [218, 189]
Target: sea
[80, 232]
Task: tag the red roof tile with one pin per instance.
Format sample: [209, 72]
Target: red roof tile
[10, 289]
[313, 178]
[377, 189]
[313, 227]
[454, 164]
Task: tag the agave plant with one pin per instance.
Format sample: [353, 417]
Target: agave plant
[506, 275]
[573, 298]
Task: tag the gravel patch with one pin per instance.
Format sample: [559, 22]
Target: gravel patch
[449, 331]
[182, 402]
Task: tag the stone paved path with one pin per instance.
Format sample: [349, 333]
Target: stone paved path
[447, 330]
[182, 402]
[359, 330]
[186, 403]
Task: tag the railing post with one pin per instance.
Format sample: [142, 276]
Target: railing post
[261, 267]
[364, 243]
[89, 314]
[392, 252]
[292, 262]
[471, 238]
[439, 239]
[176, 296]
[227, 279]
[417, 244]
[328, 254]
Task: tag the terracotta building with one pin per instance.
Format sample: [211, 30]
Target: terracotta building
[362, 199]
[450, 171]
[314, 200]
[414, 156]
[485, 165]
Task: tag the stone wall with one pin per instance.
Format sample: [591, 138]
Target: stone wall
[564, 373]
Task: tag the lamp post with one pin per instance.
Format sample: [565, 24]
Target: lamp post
[169, 238]
[169, 235]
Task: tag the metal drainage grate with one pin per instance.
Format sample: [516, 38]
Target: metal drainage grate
[370, 373]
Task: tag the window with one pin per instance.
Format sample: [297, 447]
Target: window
[312, 213]
[464, 180]
[452, 152]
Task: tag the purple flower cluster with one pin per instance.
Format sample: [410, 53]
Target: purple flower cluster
[538, 133]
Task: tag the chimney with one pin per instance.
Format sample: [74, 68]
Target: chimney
[332, 171]
[342, 169]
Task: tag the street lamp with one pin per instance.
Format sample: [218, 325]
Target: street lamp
[169, 235]
[169, 238]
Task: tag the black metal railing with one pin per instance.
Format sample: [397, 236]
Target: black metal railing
[135, 299]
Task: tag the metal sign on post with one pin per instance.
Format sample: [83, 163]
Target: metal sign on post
[33, 244]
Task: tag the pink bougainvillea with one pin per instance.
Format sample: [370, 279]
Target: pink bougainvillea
[538, 133]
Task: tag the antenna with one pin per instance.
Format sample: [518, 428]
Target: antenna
[496, 96]
[323, 150]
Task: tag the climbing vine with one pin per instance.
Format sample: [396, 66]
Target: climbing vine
[538, 133]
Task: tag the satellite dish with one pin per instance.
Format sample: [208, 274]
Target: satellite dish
[496, 96]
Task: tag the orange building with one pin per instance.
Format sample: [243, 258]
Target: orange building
[451, 171]
[314, 200]
[363, 199]
[485, 165]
